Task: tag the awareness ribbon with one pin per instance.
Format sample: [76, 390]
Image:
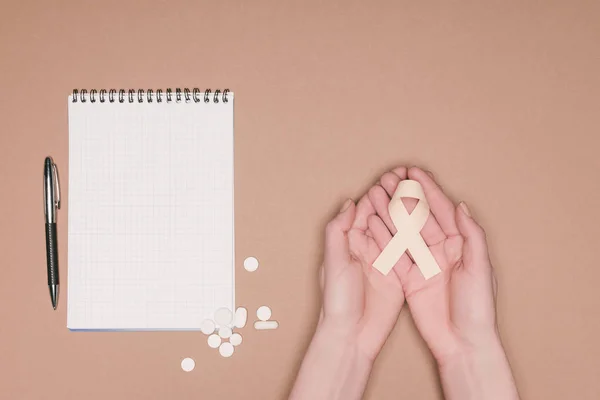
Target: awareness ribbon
[408, 235]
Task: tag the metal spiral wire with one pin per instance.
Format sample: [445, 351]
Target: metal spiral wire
[149, 95]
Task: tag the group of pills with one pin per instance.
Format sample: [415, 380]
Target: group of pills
[220, 331]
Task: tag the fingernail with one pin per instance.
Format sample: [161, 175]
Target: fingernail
[430, 174]
[464, 208]
[346, 205]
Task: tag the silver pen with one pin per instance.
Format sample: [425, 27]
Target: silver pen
[51, 205]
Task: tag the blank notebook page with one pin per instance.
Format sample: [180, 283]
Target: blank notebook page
[151, 229]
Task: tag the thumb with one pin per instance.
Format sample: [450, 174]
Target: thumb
[475, 249]
[336, 238]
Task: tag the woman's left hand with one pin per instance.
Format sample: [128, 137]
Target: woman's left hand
[359, 303]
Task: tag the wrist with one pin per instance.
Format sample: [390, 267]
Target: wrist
[344, 336]
[337, 340]
[478, 372]
[334, 367]
[489, 349]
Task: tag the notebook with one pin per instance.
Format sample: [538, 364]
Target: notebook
[150, 208]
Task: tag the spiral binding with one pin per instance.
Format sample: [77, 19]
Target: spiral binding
[149, 95]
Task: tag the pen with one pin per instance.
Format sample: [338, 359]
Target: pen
[51, 205]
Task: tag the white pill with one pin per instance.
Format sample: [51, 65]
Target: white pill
[251, 264]
[214, 341]
[235, 339]
[241, 315]
[187, 364]
[225, 332]
[226, 349]
[264, 325]
[263, 313]
[223, 316]
[207, 326]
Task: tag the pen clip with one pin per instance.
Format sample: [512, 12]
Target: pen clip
[56, 187]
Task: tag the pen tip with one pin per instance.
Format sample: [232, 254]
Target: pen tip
[54, 295]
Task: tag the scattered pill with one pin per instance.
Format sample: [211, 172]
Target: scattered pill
[251, 264]
[187, 364]
[235, 339]
[214, 341]
[225, 332]
[263, 313]
[226, 349]
[207, 326]
[264, 325]
[241, 315]
[223, 316]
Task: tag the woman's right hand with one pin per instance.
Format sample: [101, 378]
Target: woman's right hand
[455, 310]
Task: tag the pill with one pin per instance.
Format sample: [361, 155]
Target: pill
[264, 325]
[223, 316]
[187, 364]
[263, 313]
[207, 326]
[241, 315]
[235, 339]
[251, 264]
[214, 341]
[226, 349]
[224, 332]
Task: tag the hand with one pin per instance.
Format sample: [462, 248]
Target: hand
[454, 311]
[360, 308]
[358, 301]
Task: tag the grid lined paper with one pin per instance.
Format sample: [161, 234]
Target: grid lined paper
[151, 228]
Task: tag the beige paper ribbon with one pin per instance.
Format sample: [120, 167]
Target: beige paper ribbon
[408, 236]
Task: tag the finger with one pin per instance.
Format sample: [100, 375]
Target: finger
[364, 209]
[380, 200]
[402, 172]
[336, 238]
[389, 181]
[382, 237]
[441, 206]
[475, 250]
[380, 232]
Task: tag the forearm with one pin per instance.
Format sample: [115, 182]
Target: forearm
[332, 369]
[481, 375]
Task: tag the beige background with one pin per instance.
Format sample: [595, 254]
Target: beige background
[499, 99]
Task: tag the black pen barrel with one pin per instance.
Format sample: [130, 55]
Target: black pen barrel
[52, 253]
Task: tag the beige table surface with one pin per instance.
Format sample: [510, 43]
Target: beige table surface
[500, 99]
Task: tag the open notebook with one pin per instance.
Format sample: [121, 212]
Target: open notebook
[151, 229]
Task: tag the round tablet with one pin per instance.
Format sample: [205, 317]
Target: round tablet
[207, 326]
[263, 313]
[187, 364]
[226, 349]
[235, 339]
[223, 316]
[225, 332]
[251, 264]
[214, 341]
